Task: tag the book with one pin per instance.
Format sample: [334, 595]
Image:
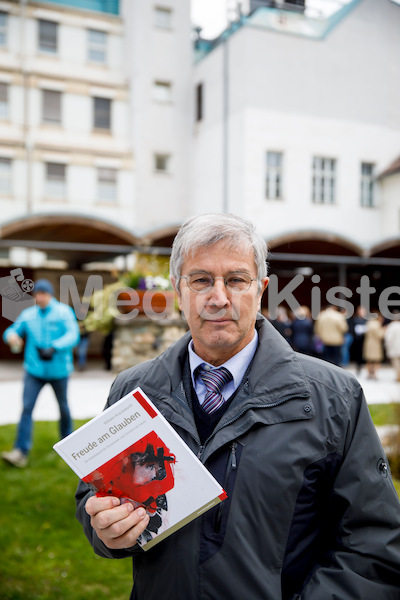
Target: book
[132, 452]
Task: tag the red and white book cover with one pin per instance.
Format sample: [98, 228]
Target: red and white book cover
[132, 452]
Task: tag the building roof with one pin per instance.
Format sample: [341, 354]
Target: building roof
[393, 168]
[110, 7]
[308, 23]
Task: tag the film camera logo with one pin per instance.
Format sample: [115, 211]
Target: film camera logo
[14, 289]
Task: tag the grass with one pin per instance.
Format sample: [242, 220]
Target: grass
[389, 414]
[384, 414]
[45, 555]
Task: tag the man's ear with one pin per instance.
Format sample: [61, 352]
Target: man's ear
[264, 285]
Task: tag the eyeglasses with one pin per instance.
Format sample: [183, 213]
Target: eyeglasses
[236, 283]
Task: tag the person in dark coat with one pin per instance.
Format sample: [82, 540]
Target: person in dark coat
[311, 512]
[359, 329]
[282, 323]
[303, 331]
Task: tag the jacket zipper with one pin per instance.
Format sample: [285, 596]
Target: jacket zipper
[230, 466]
[232, 461]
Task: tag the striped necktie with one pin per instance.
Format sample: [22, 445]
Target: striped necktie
[214, 380]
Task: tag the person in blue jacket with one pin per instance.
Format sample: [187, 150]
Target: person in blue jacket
[50, 331]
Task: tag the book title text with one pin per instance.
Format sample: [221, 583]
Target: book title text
[112, 430]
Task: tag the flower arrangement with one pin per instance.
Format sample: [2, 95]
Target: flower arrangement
[151, 273]
[141, 281]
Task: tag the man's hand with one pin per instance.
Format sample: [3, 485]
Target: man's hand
[15, 342]
[117, 525]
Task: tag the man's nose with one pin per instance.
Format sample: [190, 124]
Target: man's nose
[218, 292]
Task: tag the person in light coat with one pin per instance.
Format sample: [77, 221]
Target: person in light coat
[392, 344]
[330, 327]
[373, 346]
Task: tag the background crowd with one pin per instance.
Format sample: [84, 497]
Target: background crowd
[340, 339]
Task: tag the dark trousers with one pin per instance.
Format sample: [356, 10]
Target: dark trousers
[332, 354]
[32, 387]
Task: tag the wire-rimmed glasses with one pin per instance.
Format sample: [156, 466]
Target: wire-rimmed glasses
[201, 282]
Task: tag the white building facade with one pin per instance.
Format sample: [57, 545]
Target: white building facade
[303, 114]
[107, 124]
[64, 142]
[159, 63]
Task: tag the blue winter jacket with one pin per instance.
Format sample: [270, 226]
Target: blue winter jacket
[54, 326]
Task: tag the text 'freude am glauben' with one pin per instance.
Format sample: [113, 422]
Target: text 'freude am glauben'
[112, 430]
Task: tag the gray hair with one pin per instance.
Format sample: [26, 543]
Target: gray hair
[206, 230]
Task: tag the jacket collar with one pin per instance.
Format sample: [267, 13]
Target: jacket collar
[51, 305]
[274, 376]
[275, 373]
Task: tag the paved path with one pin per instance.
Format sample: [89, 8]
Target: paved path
[88, 392]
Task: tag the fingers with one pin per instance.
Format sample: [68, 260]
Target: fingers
[97, 504]
[117, 525]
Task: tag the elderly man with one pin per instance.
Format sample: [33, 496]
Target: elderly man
[50, 331]
[311, 510]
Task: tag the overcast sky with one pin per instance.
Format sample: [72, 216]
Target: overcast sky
[210, 15]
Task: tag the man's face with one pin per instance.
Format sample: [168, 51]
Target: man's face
[42, 299]
[221, 323]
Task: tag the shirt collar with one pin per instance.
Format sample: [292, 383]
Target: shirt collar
[237, 365]
[50, 304]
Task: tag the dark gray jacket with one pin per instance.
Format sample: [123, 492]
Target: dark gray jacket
[312, 512]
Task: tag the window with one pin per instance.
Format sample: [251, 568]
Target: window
[323, 191]
[162, 162]
[3, 28]
[48, 33]
[102, 113]
[162, 91]
[273, 184]
[51, 107]
[163, 17]
[3, 101]
[199, 102]
[97, 46]
[5, 176]
[107, 184]
[55, 180]
[367, 184]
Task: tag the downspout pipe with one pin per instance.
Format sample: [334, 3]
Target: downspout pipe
[27, 142]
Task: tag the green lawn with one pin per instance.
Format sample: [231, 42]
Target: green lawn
[45, 555]
[383, 414]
